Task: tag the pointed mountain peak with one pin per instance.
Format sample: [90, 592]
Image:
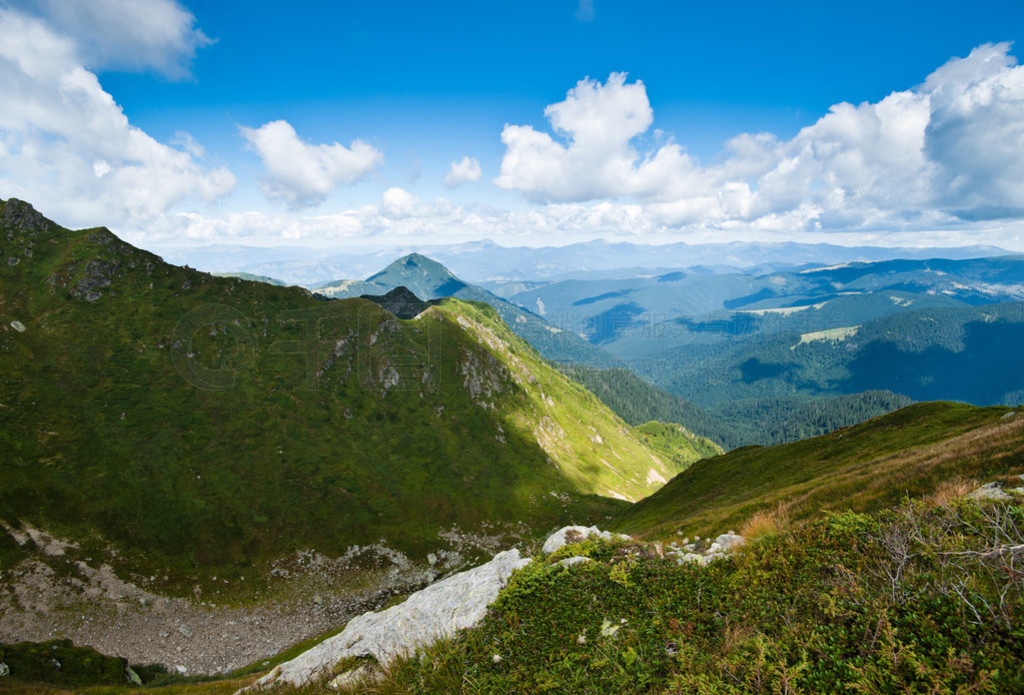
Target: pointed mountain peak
[423, 276]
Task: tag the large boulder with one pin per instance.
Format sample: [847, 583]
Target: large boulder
[438, 611]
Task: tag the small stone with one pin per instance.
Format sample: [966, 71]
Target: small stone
[185, 631]
[431, 559]
[5, 670]
[574, 560]
[18, 326]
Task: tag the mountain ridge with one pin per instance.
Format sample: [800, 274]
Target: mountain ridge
[428, 280]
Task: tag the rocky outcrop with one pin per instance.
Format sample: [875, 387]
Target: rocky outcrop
[575, 534]
[21, 216]
[702, 552]
[996, 491]
[440, 610]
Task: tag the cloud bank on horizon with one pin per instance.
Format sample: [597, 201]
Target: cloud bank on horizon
[943, 157]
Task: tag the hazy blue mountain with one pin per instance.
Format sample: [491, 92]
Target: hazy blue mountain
[961, 353]
[683, 306]
[485, 260]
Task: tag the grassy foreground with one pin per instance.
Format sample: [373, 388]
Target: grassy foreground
[922, 598]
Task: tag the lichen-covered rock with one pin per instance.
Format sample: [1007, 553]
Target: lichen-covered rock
[990, 491]
[700, 554]
[725, 543]
[574, 560]
[438, 611]
[575, 534]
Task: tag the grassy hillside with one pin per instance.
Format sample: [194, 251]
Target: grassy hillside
[859, 468]
[204, 424]
[637, 401]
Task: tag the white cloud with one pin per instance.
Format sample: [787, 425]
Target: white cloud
[397, 204]
[125, 34]
[69, 149]
[466, 170]
[303, 174]
[598, 121]
[976, 134]
[948, 151]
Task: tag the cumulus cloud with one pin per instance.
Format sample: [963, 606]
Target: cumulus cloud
[598, 122]
[67, 146]
[976, 134]
[397, 204]
[302, 174]
[125, 34]
[466, 170]
[946, 151]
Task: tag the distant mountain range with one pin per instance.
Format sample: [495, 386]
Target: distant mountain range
[487, 261]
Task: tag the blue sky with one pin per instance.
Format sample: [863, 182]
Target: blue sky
[337, 124]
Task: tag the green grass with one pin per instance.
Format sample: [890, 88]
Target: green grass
[860, 468]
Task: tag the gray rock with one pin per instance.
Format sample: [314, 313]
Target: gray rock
[438, 611]
[349, 678]
[18, 326]
[23, 217]
[693, 557]
[726, 543]
[578, 533]
[5, 670]
[574, 560]
[989, 491]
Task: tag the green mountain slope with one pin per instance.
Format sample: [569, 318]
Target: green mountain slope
[428, 279]
[860, 468]
[195, 422]
[739, 423]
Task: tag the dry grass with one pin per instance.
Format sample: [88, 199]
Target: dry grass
[952, 490]
[766, 523]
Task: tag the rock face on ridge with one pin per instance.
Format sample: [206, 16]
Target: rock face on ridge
[440, 610]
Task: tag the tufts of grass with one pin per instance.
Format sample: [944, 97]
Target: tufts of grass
[765, 523]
